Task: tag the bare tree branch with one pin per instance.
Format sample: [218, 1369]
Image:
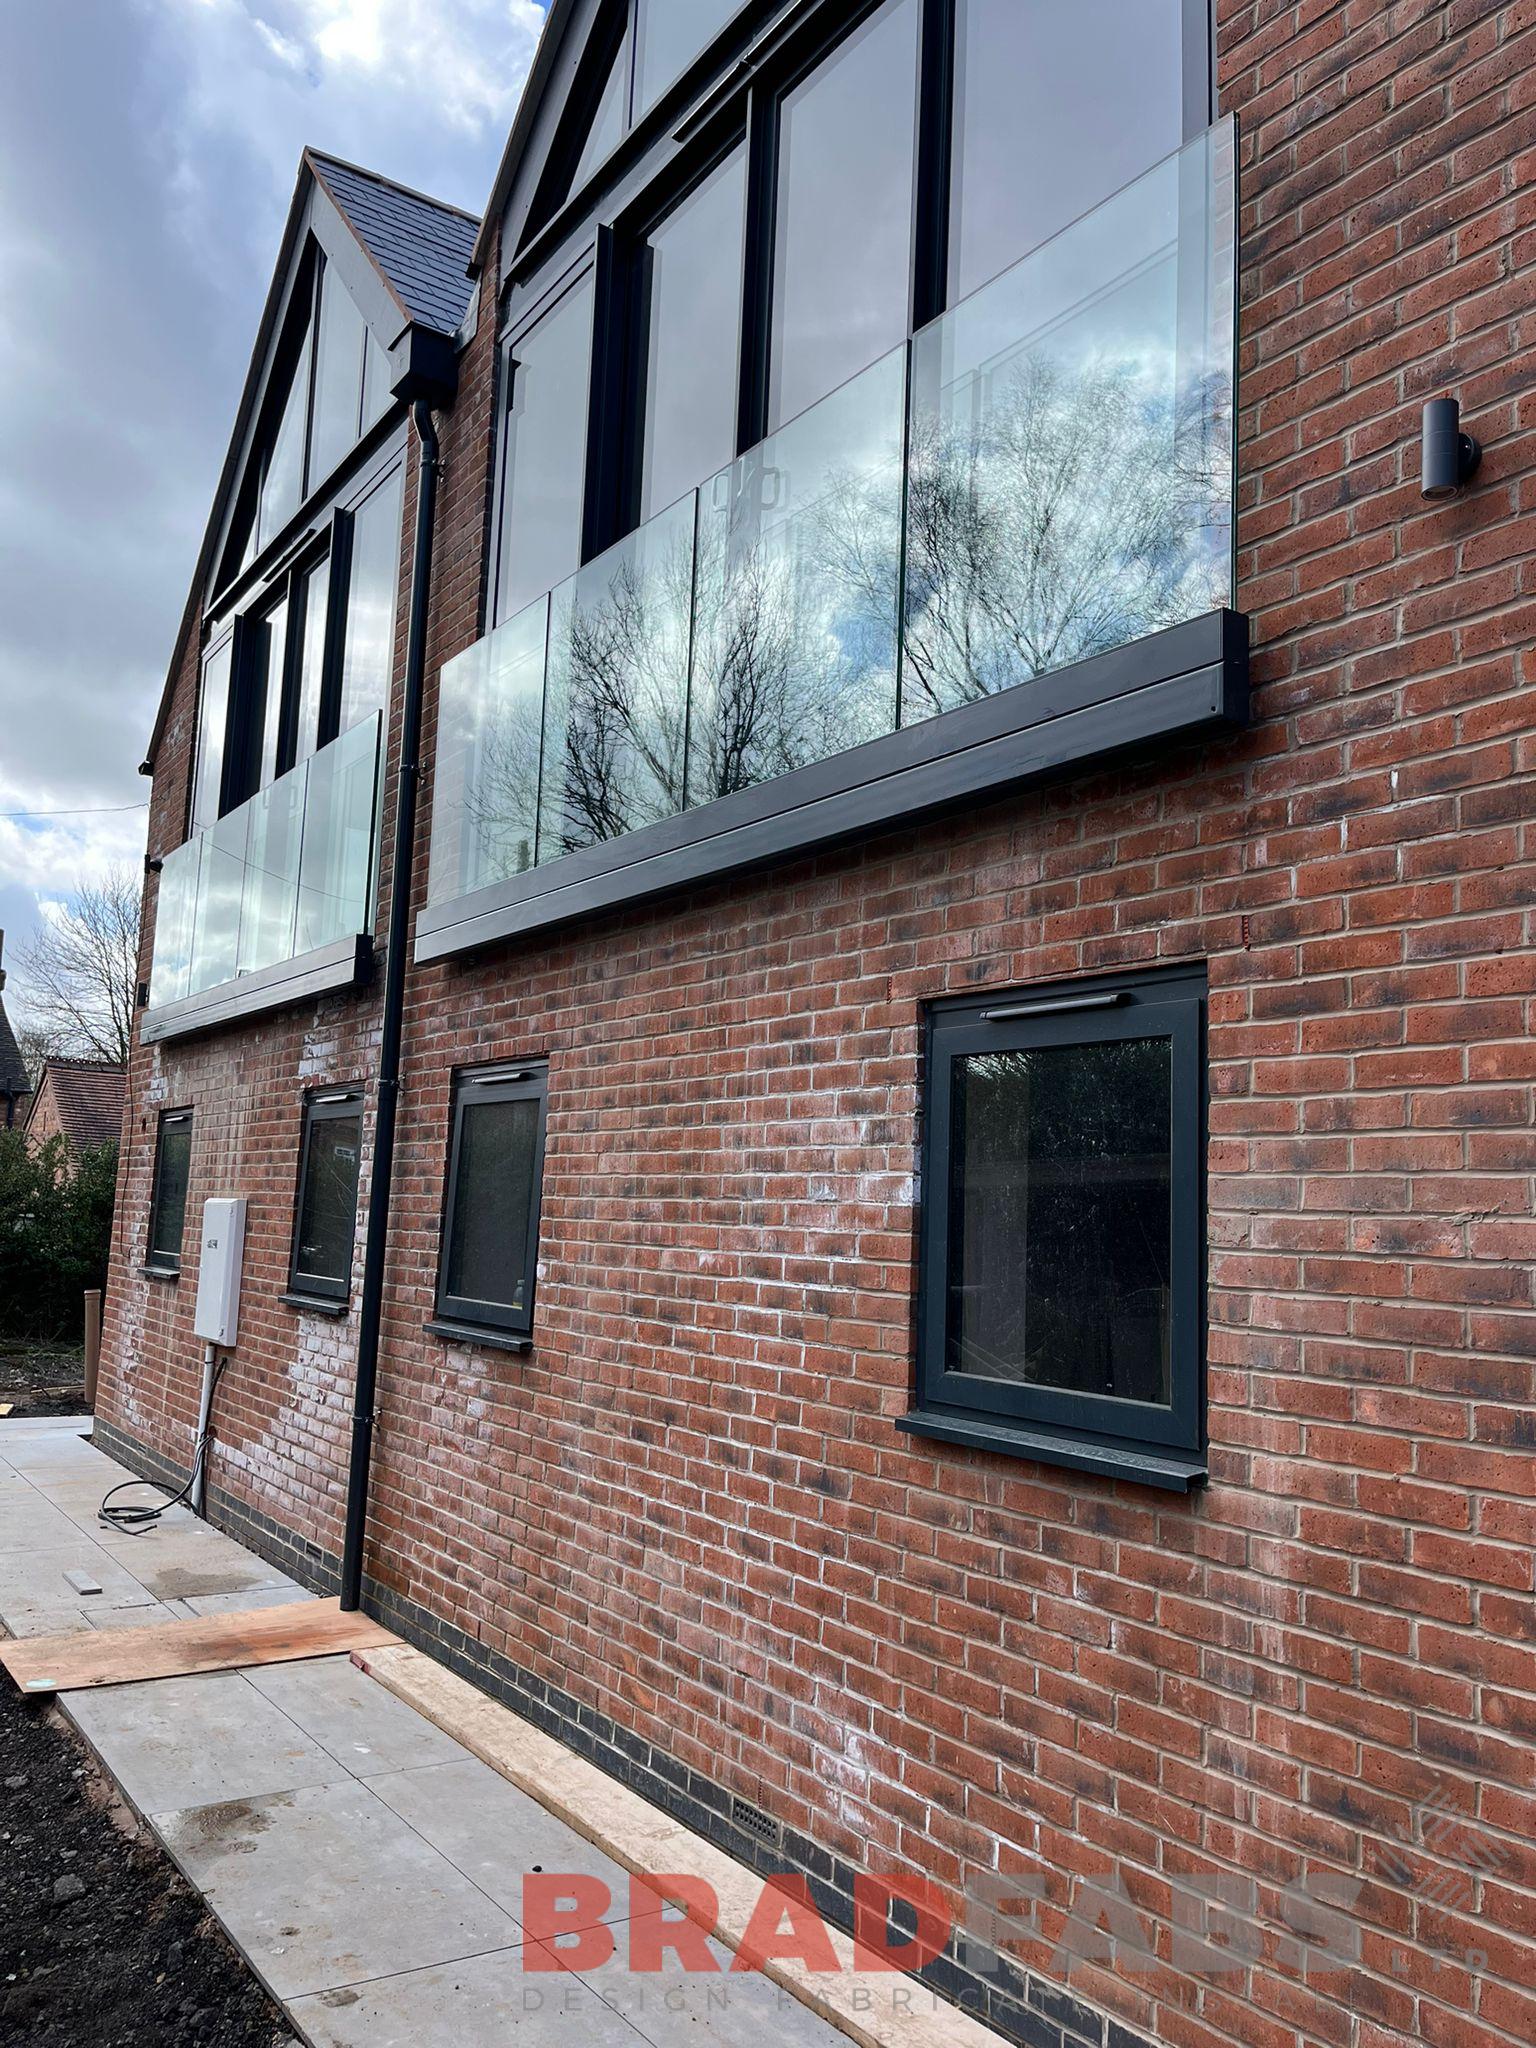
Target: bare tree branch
[78, 976]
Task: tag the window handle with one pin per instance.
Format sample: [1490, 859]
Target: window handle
[1049, 1005]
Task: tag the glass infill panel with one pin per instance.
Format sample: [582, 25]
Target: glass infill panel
[1070, 468]
[616, 702]
[799, 571]
[175, 923]
[221, 890]
[336, 863]
[274, 838]
[1061, 1220]
[485, 794]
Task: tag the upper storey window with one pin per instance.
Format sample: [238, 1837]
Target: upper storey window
[329, 385]
[847, 159]
[1055, 107]
[878, 165]
[637, 50]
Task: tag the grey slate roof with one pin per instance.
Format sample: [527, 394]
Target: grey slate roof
[421, 247]
[13, 1068]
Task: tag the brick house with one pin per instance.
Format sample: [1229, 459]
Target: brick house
[15, 1081]
[945, 1288]
[80, 1101]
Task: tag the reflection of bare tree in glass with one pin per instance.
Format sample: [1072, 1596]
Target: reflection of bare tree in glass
[1065, 513]
[797, 632]
[619, 689]
[501, 795]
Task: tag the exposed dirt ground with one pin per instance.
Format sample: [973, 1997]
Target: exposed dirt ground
[101, 1941]
[42, 1379]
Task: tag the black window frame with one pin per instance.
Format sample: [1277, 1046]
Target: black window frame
[342, 1104]
[747, 103]
[167, 1264]
[325, 545]
[1123, 1438]
[459, 1315]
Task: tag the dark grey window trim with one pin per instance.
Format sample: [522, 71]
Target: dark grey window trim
[1159, 1446]
[476, 1333]
[1186, 681]
[325, 1105]
[456, 1316]
[164, 1264]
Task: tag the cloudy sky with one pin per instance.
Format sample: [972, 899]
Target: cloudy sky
[148, 150]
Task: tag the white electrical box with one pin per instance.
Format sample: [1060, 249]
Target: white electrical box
[218, 1274]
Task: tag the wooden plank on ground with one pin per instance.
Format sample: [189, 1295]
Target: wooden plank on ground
[877, 2009]
[174, 1649]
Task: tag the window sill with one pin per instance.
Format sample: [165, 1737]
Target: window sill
[478, 1333]
[170, 1273]
[315, 1304]
[1172, 1471]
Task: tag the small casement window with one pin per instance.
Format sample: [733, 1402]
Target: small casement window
[168, 1204]
[486, 1267]
[1060, 1308]
[325, 1218]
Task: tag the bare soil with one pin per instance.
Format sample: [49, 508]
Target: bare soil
[42, 1379]
[101, 1939]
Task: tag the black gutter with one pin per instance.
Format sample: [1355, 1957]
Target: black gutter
[371, 1310]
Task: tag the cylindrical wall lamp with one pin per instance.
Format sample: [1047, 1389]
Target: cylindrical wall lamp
[1449, 457]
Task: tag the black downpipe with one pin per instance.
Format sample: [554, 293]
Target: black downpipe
[371, 1311]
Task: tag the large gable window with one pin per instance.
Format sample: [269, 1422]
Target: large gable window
[548, 368]
[328, 385]
[842, 244]
[1026, 161]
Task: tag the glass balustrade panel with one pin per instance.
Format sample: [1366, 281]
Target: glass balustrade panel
[485, 801]
[1070, 462]
[799, 573]
[616, 692]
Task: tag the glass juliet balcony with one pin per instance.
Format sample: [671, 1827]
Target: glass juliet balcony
[1042, 477]
[275, 900]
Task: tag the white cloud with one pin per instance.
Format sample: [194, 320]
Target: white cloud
[148, 150]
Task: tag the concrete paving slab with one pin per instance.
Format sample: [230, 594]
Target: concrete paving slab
[357, 1721]
[189, 1563]
[49, 1621]
[83, 1507]
[734, 2009]
[36, 1578]
[482, 2003]
[495, 1834]
[152, 1616]
[30, 1521]
[325, 1888]
[239, 1603]
[173, 1743]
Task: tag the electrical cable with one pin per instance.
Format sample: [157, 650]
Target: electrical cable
[137, 1518]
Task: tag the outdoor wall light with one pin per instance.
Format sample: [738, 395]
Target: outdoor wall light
[1449, 457]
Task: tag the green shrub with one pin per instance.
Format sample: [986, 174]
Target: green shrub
[55, 1234]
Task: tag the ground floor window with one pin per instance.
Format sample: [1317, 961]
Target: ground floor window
[325, 1219]
[1062, 1240]
[168, 1202]
[486, 1268]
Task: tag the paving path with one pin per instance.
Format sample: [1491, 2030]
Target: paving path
[367, 1866]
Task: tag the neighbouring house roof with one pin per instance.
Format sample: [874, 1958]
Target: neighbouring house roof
[421, 250]
[13, 1068]
[420, 247]
[87, 1097]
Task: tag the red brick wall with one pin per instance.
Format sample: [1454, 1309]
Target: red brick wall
[689, 1507]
